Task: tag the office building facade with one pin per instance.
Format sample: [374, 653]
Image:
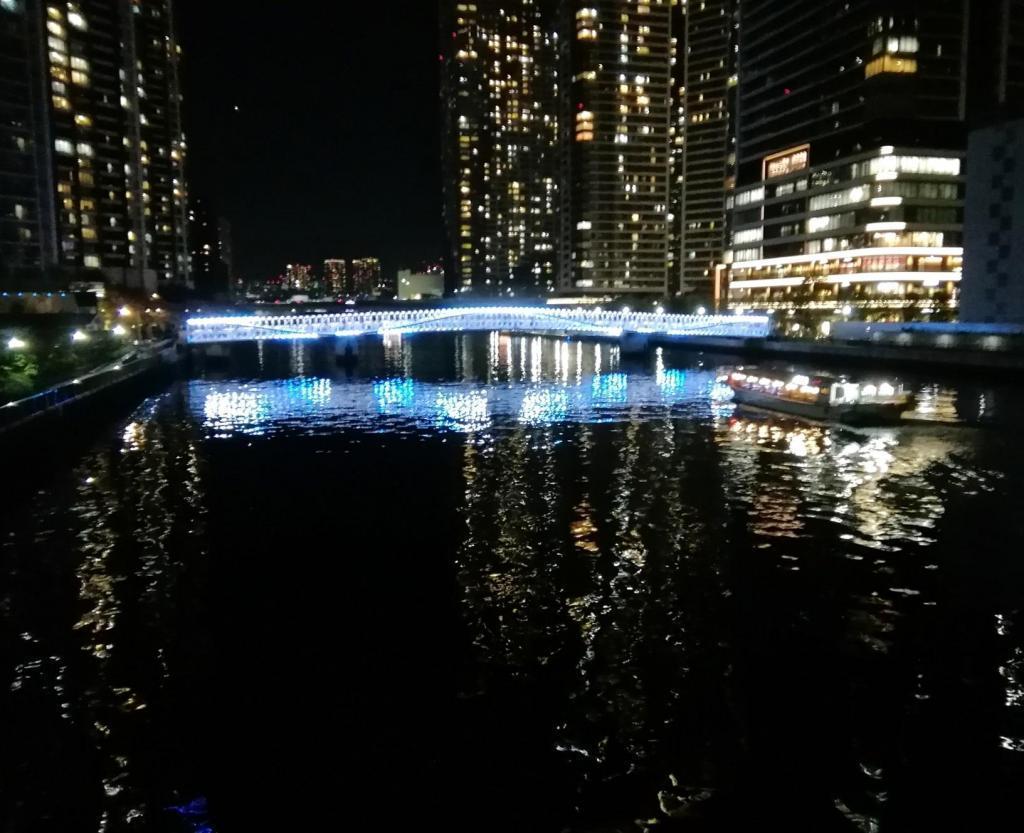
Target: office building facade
[993, 290]
[993, 287]
[502, 122]
[850, 150]
[103, 141]
[995, 87]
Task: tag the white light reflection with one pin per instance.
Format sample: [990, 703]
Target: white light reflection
[463, 411]
[544, 406]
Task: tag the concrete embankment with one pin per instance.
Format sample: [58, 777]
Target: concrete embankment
[108, 381]
[859, 353]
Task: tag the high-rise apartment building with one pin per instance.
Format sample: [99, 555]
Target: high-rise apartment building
[335, 277]
[92, 159]
[703, 138]
[25, 228]
[366, 278]
[851, 141]
[298, 278]
[502, 122]
[620, 169]
[211, 271]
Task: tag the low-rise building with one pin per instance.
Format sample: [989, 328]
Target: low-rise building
[419, 286]
[878, 236]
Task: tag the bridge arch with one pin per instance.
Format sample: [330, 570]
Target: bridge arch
[526, 319]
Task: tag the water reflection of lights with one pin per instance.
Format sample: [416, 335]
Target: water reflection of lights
[797, 439]
[394, 394]
[255, 408]
[463, 411]
[845, 476]
[544, 406]
[231, 410]
[611, 389]
[133, 437]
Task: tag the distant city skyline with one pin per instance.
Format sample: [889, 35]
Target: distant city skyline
[335, 150]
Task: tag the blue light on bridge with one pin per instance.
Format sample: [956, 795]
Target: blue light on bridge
[569, 322]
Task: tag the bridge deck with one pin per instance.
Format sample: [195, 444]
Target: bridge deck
[535, 320]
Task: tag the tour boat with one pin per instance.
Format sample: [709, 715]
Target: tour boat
[822, 397]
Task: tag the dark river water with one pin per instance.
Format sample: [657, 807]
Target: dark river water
[512, 584]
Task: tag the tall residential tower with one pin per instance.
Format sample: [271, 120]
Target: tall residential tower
[705, 152]
[502, 91]
[620, 163]
[92, 156]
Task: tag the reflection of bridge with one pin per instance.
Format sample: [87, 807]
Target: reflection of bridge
[537, 320]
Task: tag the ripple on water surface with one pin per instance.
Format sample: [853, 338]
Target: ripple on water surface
[524, 584]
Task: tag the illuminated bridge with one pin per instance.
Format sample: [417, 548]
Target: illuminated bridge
[532, 320]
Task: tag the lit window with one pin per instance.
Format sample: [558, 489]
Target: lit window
[890, 64]
[64, 146]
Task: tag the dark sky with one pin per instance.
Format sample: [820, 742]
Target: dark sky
[334, 150]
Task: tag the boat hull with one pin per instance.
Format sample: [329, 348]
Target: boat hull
[863, 414]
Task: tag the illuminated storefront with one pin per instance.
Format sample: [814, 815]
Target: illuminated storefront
[877, 236]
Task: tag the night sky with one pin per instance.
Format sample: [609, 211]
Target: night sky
[334, 150]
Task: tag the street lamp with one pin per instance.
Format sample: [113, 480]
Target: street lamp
[124, 312]
[119, 330]
[78, 336]
[15, 343]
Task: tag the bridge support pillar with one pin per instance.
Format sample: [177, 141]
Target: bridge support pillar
[634, 344]
[217, 351]
[346, 351]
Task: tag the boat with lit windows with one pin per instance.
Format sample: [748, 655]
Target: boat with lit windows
[822, 397]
